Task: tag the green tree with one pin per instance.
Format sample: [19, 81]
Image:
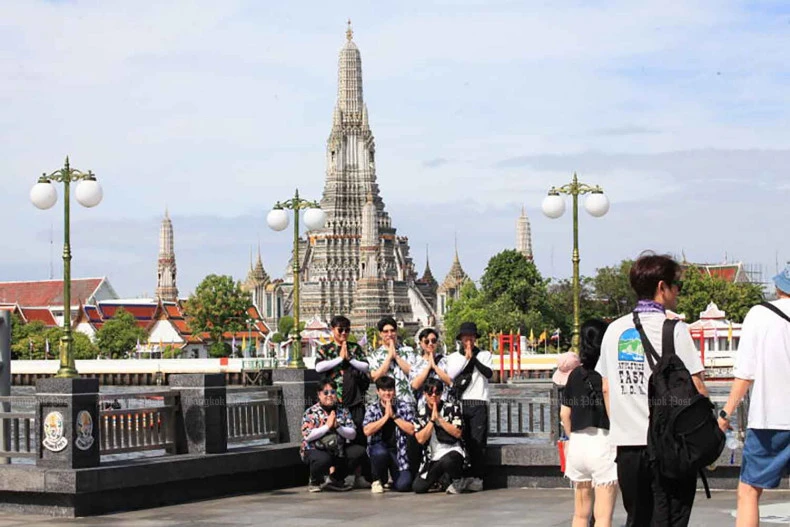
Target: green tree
[561, 306]
[119, 335]
[217, 306]
[700, 288]
[510, 275]
[29, 341]
[612, 290]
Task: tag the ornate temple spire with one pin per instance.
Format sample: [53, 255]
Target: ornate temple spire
[166, 289]
[427, 276]
[349, 76]
[258, 273]
[456, 276]
[524, 235]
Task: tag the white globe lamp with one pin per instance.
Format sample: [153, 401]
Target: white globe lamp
[89, 193]
[553, 206]
[43, 195]
[597, 204]
[314, 218]
[277, 219]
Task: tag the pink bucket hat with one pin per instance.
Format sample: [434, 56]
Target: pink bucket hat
[566, 363]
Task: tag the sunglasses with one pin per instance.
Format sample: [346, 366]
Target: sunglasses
[329, 392]
[430, 341]
[343, 330]
[433, 392]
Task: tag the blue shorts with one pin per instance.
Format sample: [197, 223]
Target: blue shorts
[766, 457]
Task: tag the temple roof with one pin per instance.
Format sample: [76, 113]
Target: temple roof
[427, 276]
[47, 293]
[456, 276]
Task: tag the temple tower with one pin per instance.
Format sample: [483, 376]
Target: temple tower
[524, 235]
[166, 289]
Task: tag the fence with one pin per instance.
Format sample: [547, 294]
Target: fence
[138, 429]
[17, 427]
[522, 412]
[254, 418]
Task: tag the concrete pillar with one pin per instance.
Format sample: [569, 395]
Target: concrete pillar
[5, 381]
[67, 420]
[298, 393]
[204, 418]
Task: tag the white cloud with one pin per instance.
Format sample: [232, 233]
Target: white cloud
[219, 109]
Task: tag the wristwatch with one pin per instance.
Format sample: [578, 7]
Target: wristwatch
[723, 414]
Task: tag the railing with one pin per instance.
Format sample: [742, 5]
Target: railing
[516, 413]
[138, 429]
[254, 418]
[17, 428]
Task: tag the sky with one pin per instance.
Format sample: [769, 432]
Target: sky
[216, 110]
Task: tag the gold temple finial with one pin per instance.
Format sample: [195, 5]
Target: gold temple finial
[349, 31]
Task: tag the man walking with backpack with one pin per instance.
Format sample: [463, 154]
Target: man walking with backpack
[763, 364]
[649, 497]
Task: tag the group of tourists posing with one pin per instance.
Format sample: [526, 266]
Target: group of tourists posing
[638, 416]
[634, 405]
[427, 430]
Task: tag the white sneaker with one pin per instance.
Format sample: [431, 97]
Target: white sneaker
[456, 487]
[377, 488]
[474, 485]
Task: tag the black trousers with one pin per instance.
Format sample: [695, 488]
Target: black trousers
[475, 436]
[320, 461]
[650, 499]
[451, 464]
[358, 416]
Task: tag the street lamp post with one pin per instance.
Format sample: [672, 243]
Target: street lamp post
[597, 204]
[43, 195]
[277, 219]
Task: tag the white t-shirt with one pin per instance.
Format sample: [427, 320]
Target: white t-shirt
[624, 365]
[478, 388]
[764, 357]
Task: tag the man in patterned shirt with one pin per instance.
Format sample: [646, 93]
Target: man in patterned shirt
[439, 425]
[388, 425]
[327, 430]
[400, 363]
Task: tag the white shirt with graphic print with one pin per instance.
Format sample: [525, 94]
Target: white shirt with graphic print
[624, 365]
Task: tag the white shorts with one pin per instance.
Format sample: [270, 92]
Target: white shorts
[589, 456]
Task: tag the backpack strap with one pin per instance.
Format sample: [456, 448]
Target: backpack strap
[668, 337]
[650, 351]
[775, 309]
[705, 483]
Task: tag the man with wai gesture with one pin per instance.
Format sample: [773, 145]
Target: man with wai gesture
[470, 370]
[439, 426]
[388, 426]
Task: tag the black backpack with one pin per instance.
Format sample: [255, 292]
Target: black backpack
[683, 436]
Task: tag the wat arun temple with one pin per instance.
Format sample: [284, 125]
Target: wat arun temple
[357, 265]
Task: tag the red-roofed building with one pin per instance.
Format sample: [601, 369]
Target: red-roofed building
[731, 272]
[48, 295]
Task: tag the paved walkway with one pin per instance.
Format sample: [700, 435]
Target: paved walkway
[498, 507]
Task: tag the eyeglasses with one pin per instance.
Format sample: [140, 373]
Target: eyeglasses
[329, 392]
[343, 330]
[430, 341]
[679, 284]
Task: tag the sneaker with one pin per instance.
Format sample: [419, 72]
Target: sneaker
[361, 483]
[474, 485]
[313, 487]
[456, 487]
[377, 488]
[335, 486]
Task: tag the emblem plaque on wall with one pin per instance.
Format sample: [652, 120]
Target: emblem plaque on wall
[53, 432]
[84, 430]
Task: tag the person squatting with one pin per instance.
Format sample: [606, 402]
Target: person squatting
[427, 429]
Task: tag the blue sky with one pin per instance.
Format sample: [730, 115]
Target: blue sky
[218, 109]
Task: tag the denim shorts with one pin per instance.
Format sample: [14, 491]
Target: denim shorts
[766, 457]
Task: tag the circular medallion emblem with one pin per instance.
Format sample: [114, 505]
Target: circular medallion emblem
[84, 430]
[53, 432]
